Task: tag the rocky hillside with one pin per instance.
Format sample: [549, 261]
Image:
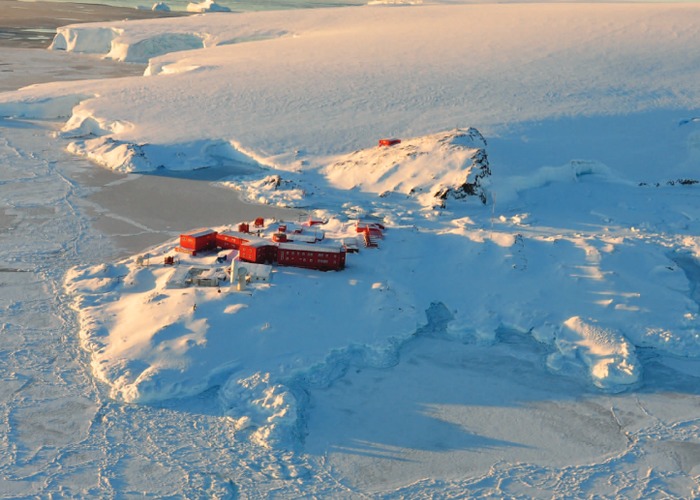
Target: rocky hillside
[432, 168]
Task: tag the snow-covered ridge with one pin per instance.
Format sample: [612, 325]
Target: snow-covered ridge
[432, 168]
[138, 158]
[94, 138]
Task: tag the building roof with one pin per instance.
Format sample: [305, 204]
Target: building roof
[259, 270]
[302, 238]
[236, 234]
[302, 247]
[196, 233]
[257, 243]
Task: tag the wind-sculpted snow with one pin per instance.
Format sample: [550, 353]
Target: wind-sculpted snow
[609, 356]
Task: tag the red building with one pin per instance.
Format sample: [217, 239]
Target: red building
[199, 240]
[231, 239]
[259, 252]
[283, 249]
[321, 257]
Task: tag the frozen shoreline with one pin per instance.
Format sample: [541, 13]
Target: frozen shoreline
[154, 201]
[27, 29]
[139, 211]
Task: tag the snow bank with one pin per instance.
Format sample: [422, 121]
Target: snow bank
[207, 6]
[128, 157]
[97, 40]
[162, 36]
[93, 138]
[143, 51]
[609, 356]
[43, 108]
[110, 42]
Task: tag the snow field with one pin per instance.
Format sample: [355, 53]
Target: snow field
[372, 78]
[262, 341]
[591, 251]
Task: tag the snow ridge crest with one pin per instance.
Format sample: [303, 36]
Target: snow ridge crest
[432, 168]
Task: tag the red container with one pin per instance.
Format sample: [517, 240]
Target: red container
[279, 237]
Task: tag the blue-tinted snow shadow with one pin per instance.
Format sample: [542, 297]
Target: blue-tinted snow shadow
[382, 412]
[649, 146]
[426, 403]
[17, 123]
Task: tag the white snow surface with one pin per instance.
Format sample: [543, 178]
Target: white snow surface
[329, 81]
[585, 238]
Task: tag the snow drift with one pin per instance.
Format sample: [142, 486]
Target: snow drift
[609, 356]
